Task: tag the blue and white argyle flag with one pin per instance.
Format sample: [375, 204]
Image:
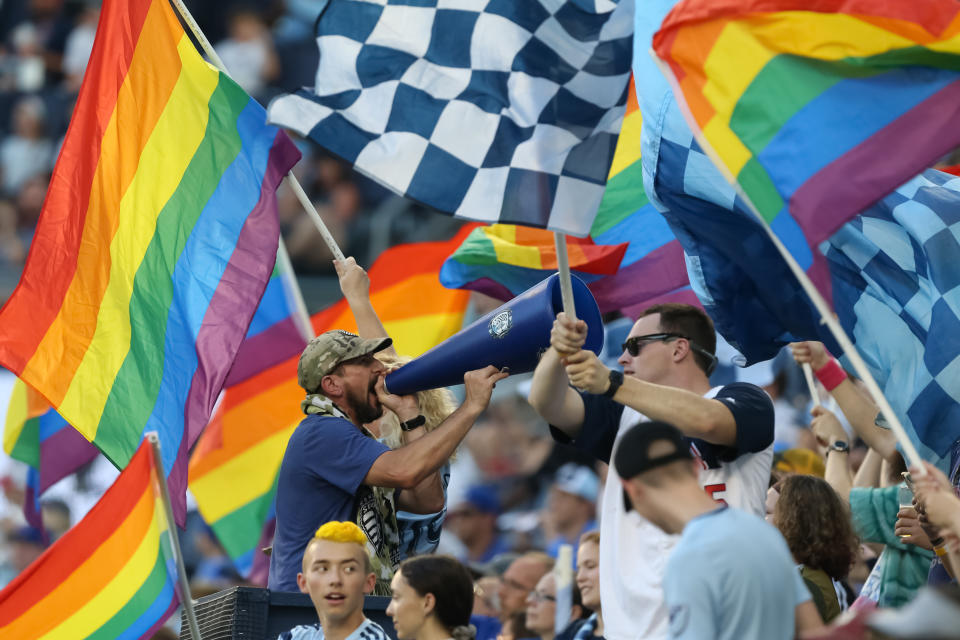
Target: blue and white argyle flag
[493, 110]
[895, 270]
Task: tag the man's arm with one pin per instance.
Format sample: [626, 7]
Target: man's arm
[550, 393]
[858, 407]
[696, 416]
[828, 430]
[409, 465]
[355, 285]
[806, 618]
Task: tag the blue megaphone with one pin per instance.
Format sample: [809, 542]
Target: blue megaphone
[514, 335]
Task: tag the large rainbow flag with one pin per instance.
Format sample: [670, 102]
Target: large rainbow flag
[156, 240]
[629, 261]
[111, 576]
[233, 468]
[816, 108]
[35, 434]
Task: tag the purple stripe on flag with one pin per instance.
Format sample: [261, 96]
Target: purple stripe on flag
[489, 287]
[661, 271]
[842, 188]
[281, 341]
[261, 561]
[220, 334]
[682, 296]
[61, 454]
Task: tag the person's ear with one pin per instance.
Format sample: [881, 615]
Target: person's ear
[370, 583]
[429, 603]
[331, 386]
[680, 349]
[302, 583]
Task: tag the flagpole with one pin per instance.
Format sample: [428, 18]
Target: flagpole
[811, 385]
[186, 598]
[305, 326]
[290, 178]
[826, 314]
[563, 268]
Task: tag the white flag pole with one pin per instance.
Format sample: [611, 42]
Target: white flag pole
[811, 385]
[186, 598]
[290, 178]
[563, 268]
[826, 314]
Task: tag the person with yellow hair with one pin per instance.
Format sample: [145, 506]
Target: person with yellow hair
[337, 573]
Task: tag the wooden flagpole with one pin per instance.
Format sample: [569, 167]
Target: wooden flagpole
[186, 598]
[563, 268]
[290, 178]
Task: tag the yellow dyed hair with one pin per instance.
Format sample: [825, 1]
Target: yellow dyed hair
[342, 532]
[345, 532]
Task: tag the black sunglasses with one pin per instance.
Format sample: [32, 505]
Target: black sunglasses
[636, 343]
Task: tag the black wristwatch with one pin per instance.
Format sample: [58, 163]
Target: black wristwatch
[840, 446]
[616, 379]
[413, 423]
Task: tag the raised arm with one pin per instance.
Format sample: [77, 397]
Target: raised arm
[409, 465]
[828, 431]
[859, 408]
[550, 393]
[355, 285]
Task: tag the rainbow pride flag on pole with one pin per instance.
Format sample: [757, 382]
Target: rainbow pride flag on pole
[816, 108]
[629, 261]
[111, 576]
[233, 468]
[156, 240]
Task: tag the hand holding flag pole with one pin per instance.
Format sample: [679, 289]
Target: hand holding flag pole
[290, 178]
[563, 268]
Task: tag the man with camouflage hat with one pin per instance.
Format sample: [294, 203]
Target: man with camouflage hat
[333, 469]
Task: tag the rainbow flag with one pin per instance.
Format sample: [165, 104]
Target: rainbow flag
[113, 575]
[233, 468]
[155, 243]
[37, 435]
[276, 331]
[630, 260]
[816, 108]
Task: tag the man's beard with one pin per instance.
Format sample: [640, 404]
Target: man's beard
[361, 409]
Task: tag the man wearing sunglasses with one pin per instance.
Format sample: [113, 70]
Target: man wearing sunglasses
[667, 359]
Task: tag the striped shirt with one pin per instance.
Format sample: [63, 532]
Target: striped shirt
[368, 630]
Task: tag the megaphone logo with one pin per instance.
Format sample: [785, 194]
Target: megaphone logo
[514, 335]
[500, 324]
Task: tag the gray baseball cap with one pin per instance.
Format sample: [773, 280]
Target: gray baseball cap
[328, 350]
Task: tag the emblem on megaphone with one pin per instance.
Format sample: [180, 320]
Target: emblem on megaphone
[514, 336]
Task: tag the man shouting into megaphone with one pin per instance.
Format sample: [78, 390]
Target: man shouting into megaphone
[334, 469]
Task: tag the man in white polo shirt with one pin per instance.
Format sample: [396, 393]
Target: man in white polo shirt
[666, 362]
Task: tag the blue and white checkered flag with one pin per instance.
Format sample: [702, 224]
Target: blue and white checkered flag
[493, 110]
[895, 271]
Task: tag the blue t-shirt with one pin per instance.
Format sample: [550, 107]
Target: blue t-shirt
[325, 463]
[731, 576]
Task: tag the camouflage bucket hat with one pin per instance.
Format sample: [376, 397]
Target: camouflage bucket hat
[328, 350]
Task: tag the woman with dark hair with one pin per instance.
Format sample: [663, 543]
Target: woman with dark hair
[817, 527]
[432, 599]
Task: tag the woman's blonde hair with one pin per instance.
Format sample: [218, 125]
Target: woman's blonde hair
[435, 405]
